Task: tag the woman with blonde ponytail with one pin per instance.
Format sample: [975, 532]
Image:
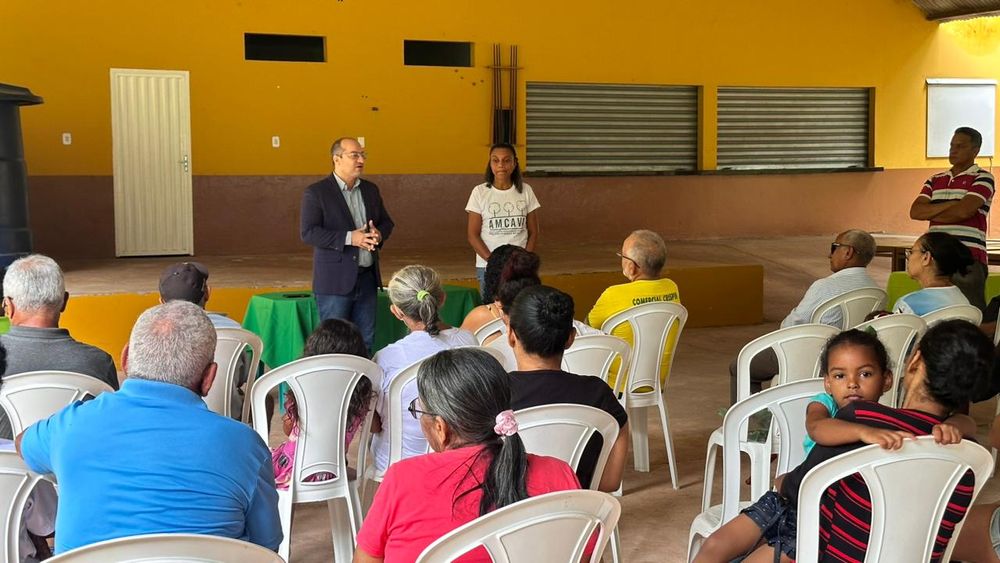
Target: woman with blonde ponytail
[417, 297]
[479, 463]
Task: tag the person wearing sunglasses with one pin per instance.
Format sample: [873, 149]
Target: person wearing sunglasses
[850, 254]
[479, 463]
[934, 261]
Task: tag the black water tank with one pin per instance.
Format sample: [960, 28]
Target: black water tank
[15, 237]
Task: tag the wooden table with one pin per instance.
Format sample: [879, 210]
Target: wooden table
[895, 247]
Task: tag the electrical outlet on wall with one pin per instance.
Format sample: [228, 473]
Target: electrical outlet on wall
[275, 141]
[361, 141]
[67, 138]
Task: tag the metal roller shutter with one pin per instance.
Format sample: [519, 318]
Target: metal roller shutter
[793, 128]
[616, 128]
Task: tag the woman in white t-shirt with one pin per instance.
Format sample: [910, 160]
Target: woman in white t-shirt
[501, 210]
[417, 298]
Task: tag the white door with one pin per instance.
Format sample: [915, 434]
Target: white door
[151, 136]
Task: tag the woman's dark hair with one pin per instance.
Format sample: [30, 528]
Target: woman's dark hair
[855, 337]
[520, 271]
[494, 267]
[337, 336]
[515, 176]
[949, 254]
[416, 291]
[3, 359]
[468, 388]
[542, 319]
[957, 356]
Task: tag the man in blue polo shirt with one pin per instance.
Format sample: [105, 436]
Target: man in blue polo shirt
[151, 458]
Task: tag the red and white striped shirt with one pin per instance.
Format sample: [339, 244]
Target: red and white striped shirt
[947, 187]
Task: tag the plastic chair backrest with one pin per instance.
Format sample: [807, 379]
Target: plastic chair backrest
[36, 395]
[787, 404]
[230, 348]
[496, 326]
[854, 306]
[169, 548]
[798, 349]
[904, 525]
[554, 527]
[563, 431]
[969, 313]
[16, 484]
[595, 354]
[651, 323]
[898, 333]
[395, 407]
[322, 386]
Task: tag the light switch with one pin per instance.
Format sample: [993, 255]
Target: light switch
[67, 138]
[275, 141]
[361, 141]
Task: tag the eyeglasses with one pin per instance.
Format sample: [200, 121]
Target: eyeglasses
[835, 245]
[354, 155]
[415, 412]
[623, 257]
[910, 251]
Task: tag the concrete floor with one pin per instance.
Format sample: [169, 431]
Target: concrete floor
[655, 518]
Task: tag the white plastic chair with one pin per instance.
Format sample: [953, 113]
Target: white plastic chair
[798, 350]
[554, 528]
[854, 306]
[904, 525]
[787, 404]
[595, 354]
[562, 431]
[969, 313]
[36, 395]
[898, 334]
[490, 329]
[16, 484]
[322, 386]
[229, 350]
[172, 548]
[651, 324]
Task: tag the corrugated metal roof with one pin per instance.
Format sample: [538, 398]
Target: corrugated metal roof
[941, 10]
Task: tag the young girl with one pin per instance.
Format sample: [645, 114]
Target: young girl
[855, 367]
[332, 336]
[950, 357]
[501, 210]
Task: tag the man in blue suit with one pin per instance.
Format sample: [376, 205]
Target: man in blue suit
[344, 219]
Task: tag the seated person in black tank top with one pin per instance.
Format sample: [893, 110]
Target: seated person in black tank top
[541, 328]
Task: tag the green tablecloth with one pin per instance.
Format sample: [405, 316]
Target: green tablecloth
[285, 320]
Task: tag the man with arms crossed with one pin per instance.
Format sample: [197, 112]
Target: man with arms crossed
[957, 201]
[151, 458]
[344, 219]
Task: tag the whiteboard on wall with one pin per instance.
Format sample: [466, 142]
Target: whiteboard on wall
[960, 102]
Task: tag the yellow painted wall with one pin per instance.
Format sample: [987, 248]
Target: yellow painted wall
[436, 120]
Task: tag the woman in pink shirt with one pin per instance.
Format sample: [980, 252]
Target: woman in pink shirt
[479, 463]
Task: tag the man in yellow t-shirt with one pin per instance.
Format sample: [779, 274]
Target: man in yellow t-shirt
[643, 256]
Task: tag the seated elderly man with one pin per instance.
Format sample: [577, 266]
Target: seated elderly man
[850, 254]
[643, 256]
[34, 298]
[151, 458]
[188, 281]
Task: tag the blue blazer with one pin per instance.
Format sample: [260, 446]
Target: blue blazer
[324, 224]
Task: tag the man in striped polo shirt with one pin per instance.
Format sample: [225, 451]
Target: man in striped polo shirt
[957, 201]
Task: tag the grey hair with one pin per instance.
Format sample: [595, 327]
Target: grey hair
[173, 342]
[468, 388]
[649, 251]
[405, 292]
[337, 146]
[35, 283]
[862, 243]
